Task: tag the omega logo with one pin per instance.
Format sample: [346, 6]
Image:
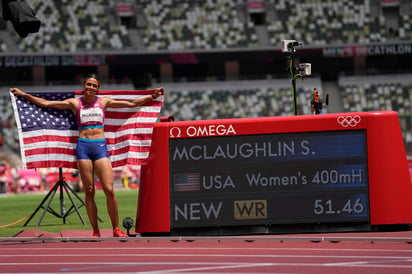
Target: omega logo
[175, 130]
[346, 121]
[199, 131]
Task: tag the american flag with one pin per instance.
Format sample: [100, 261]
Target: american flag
[48, 137]
[186, 182]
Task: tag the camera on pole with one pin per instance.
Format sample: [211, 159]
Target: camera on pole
[304, 69]
[301, 70]
[289, 45]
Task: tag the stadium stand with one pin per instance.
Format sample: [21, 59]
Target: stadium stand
[322, 22]
[209, 24]
[380, 93]
[73, 25]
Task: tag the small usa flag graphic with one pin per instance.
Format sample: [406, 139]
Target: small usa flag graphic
[186, 182]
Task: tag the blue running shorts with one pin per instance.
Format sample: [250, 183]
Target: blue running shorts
[91, 149]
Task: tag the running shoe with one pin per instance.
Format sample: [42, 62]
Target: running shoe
[118, 233]
[96, 234]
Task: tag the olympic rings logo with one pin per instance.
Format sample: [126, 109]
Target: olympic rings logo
[346, 121]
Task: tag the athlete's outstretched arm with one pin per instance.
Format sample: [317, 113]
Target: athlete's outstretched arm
[133, 103]
[41, 102]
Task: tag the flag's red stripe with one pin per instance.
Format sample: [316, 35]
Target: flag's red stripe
[129, 149]
[130, 161]
[112, 141]
[50, 150]
[109, 128]
[125, 115]
[152, 103]
[48, 163]
[50, 138]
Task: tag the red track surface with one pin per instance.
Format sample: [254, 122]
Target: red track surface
[389, 252]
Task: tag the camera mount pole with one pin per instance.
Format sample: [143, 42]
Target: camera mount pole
[292, 75]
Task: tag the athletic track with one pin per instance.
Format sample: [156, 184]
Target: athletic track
[371, 252]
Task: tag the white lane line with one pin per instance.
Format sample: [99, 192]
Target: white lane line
[8, 249]
[210, 264]
[125, 255]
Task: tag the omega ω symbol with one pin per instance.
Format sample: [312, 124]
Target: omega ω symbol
[175, 132]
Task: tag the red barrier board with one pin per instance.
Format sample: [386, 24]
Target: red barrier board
[309, 169]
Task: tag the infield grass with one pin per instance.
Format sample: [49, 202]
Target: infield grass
[16, 209]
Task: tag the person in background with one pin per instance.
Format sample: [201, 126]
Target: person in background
[5, 175]
[316, 103]
[91, 152]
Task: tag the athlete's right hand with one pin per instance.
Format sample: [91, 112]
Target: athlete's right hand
[17, 92]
